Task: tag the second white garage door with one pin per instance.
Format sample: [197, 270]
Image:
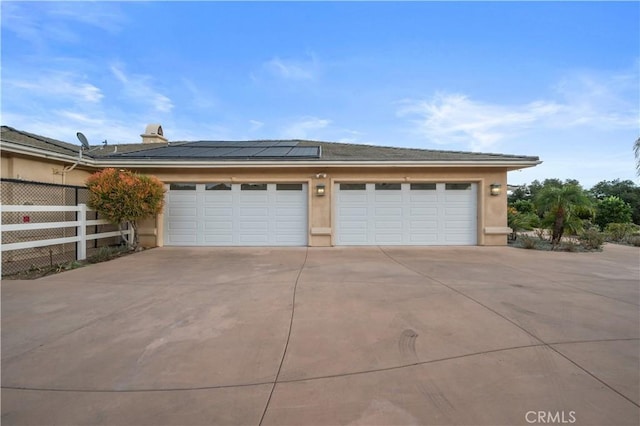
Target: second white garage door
[247, 214]
[406, 214]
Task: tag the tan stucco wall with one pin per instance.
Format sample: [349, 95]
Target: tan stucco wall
[492, 210]
[41, 170]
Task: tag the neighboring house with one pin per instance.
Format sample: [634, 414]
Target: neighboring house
[292, 192]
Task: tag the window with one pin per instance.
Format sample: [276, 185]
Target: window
[253, 187]
[217, 187]
[353, 186]
[458, 186]
[289, 187]
[182, 186]
[388, 186]
[423, 186]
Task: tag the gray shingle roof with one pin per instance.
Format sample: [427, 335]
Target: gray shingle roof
[19, 137]
[259, 150]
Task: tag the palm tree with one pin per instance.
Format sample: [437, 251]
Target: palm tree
[636, 149]
[560, 206]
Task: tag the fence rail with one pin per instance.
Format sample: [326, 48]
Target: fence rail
[80, 224]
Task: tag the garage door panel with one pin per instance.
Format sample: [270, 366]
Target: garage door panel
[253, 211]
[237, 214]
[182, 225]
[423, 197]
[254, 197]
[418, 225]
[353, 197]
[183, 212]
[390, 212]
[385, 226]
[218, 225]
[388, 197]
[218, 212]
[423, 211]
[415, 214]
[224, 198]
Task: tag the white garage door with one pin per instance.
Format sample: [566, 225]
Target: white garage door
[248, 214]
[406, 214]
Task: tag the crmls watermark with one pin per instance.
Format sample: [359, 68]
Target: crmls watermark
[550, 417]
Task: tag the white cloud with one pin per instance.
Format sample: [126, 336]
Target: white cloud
[291, 69]
[255, 125]
[139, 88]
[199, 98]
[59, 84]
[42, 23]
[582, 101]
[305, 128]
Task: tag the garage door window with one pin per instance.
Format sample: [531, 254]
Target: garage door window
[423, 186]
[353, 186]
[182, 187]
[253, 187]
[217, 187]
[388, 186]
[289, 187]
[457, 186]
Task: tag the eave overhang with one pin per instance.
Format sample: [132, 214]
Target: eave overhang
[148, 163]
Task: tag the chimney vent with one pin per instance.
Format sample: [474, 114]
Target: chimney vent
[153, 134]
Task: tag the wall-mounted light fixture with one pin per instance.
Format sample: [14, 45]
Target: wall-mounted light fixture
[320, 190]
[321, 175]
[495, 189]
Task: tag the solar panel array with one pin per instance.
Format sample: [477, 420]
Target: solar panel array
[229, 150]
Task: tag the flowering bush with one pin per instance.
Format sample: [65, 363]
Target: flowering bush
[124, 196]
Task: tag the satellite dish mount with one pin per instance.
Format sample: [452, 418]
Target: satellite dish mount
[83, 140]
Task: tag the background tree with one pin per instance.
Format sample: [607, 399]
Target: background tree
[636, 150]
[612, 210]
[124, 196]
[626, 190]
[559, 206]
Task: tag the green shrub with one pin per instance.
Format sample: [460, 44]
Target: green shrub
[592, 239]
[570, 246]
[634, 240]
[612, 210]
[523, 206]
[528, 242]
[619, 232]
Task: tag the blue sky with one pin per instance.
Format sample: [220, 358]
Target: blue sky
[557, 80]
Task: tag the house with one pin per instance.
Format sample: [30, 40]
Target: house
[292, 192]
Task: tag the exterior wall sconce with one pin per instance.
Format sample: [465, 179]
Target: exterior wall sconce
[495, 189]
[320, 190]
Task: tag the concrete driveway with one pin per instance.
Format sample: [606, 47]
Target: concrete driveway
[297, 336]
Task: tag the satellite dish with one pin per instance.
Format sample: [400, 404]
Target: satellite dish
[83, 140]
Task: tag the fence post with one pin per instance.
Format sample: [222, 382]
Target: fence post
[132, 233]
[81, 252]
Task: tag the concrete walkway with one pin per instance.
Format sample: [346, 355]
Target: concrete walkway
[297, 336]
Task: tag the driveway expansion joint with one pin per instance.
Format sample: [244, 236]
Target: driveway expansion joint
[286, 344]
[312, 378]
[548, 345]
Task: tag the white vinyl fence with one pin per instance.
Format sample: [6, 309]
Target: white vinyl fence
[80, 224]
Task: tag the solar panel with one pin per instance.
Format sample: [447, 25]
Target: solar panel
[305, 151]
[228, 150]
[274, 151]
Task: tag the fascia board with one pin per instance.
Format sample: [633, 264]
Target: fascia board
[276, 164]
